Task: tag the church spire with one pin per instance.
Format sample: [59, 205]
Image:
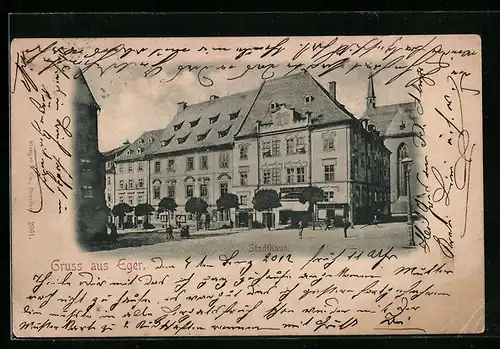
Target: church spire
[370, 97]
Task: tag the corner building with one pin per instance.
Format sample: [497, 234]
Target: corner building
[286, 135]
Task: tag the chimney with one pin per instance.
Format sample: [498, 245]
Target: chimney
[213, 97]
[181, 106]
[332, 89]
[126, 142]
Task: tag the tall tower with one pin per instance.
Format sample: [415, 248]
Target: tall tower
[370, 97]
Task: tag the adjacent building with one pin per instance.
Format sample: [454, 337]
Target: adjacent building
[110, 169]
[398, 125]
[88, 163]
[288, 134]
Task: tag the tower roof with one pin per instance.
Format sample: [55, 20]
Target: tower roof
[371, 90]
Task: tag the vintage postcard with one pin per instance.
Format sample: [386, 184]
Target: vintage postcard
[256, 186]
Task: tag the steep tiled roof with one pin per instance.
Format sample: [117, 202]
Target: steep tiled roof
[205, 124]
[83, 93]
[116, 151]
[292, 91]
[382, 116]
[142, 142]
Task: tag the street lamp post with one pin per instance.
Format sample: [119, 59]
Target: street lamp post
[406, 162]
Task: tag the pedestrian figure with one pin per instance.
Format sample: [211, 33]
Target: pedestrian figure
[328, 222]
[301, 229]
[375, 220]
[185, 232]
[170, 232]
[346, 224]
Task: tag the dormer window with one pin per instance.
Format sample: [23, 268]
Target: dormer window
[308, 99]
[203, 136]
[139, 150]
[273, 106]
[194, 122]
[181, 140]
[150, 140]
[402, 125]
[233, 116]
[140, 141]
[178, 126]
[129, 152]
[166, 142]
[224, 133]
[213, 119]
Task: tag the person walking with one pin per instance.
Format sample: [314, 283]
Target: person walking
[170, 232]
[328, 224]
[346, 224]
[301, 229]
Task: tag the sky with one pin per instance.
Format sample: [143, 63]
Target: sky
[132, 103]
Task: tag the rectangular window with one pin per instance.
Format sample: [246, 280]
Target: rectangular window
[301, 174]
[243, 200]
[121, 184]
[120, 199]
[189, 191]
[87, 191]
[157, 166]
[224, 160]
[266, 149]
[190, 163]
[329, 196]
[156, 192]
[275, 151]
[276, 176]
[290, 175]
[171, 165]
[130, 184]
[140, 167]
[329, 173]
[328, 143]
[204, 162]
[120, 168]
[109, 197]
[301, 145]
[140, 199]
[171, 191]
[243, 177]
[223, 188]
[243, 152]
[130, 167]
[267, 176]
[131, 200]
[290, 146]
[109, 180]
[141, 183]
[203, 191]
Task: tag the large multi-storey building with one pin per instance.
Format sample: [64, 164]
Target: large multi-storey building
[286, 135]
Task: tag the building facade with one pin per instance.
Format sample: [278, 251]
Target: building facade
[110, 169]
[286, 135]
[89, 165]
[398, 125]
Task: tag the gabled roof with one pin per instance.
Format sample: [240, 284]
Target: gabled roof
[110, 154]
[291, 91]
[382, 116]
[141, 142]
[207, 127]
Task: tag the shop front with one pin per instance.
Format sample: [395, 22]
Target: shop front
[333, 212]
[292, 211]
[244, 217]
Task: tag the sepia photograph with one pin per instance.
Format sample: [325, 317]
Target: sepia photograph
[247, 186]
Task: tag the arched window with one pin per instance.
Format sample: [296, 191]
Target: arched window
[401, 154]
